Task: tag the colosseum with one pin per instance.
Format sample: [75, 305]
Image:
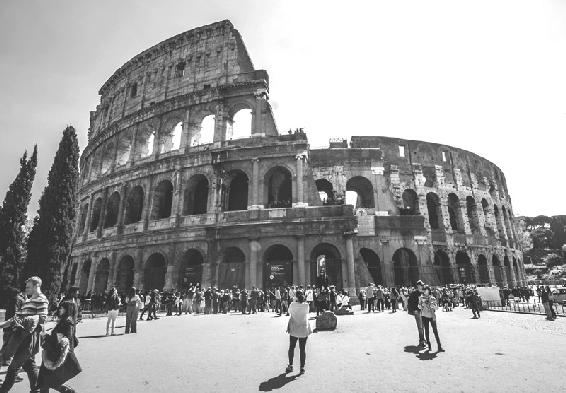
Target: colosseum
[186, 178]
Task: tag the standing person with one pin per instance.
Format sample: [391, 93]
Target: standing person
[361, 298]
[310, 298]
[299, 329]
[254, 297]
[380, 298]
[59, 361]
[243, 300]
[428, 306]
[413, 309]
[278, 308]
[24, 356]
[545, 298]
[404, 296]
[475, 304]
[394, 299]
[133, 305]
[370, 297]
[112, 306]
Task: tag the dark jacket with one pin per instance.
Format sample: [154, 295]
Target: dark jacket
[413, 301]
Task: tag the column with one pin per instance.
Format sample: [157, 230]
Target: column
[147, 203]
[299, 181]
[132, 156]
[122, 208]
[350, 260]
[138, 269]
[301, 260]
[111, 281]
[254, 251]
[88, 218]
[91, 274]
[255, 184]
[102, 214]
[464, 215]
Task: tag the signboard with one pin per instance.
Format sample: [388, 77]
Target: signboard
[490, 294]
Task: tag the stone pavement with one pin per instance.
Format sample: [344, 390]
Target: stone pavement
[500, 352]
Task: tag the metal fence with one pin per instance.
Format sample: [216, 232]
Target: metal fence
[527, 308]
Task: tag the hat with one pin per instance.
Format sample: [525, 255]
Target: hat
[420, 282]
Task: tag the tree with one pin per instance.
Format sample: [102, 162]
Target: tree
[50, 240]
[13, 217]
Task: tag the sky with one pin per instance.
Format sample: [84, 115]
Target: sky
[485, 76]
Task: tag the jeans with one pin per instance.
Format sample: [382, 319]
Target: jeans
[380, 305]
[112, 314]
[293, 344]
[419, 321]
[432, 322]
[24, 358]
[131, 319]
[278, 306]
[370, 304]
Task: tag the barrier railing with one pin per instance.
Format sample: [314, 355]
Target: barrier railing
[527, 308]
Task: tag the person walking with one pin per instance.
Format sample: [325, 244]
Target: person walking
[133, 305]
[394, 296]
[413, 309]
[299, 329]
[428, 306]
[112, 306]
[59, 361]
[370, 297]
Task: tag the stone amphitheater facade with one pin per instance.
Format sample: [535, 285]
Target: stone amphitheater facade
[171, 194]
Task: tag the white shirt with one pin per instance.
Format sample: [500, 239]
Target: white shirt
[309, 295]
[299, 325]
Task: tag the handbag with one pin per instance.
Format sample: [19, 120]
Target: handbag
[54, 378]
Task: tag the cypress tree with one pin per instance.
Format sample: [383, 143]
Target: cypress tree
[50, 240]
[13, 216]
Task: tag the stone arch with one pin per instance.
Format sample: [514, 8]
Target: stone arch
[205, 134]
[112, 209]
[96, 214]
[434, 210]
[278, 187]
[483, 269]
[170, 136]
[410, 203]
[125, 277]
[455, 212]
[241, 124]
[500, 227]
[85, 274]
[237, 191]
[373, 264]
[465, 268]
[190, 269]
[472, 213]
[124, 148]
[74, 273]
[107, 157]
[516, 270]
[442, 267]
[508, 270]
[195, 200]
[154, 272]
[405, 267]
[278, 266]
[231, 272]
[96, 162]
[325, 191]
[497, 270]
[507, 223]
[364, 190]
[326, 265]
[162, 200]
[82, 217]
[145, 140]
[101, 276]
[134, 205]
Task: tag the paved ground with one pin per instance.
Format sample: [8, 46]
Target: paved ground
[501, 352]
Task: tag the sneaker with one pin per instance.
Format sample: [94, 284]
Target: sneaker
[289, 368]
[302, 370]
[440, 349]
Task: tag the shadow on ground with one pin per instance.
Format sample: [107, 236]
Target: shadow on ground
[276, 382]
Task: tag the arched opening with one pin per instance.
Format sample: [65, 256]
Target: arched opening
[497, 271]
[499, 224]
[410, 203]
[492, 191]
[125, 279]
[507, 223]
[434, 210]
[455, 213]
[516, 270]
[96, 162]
[96, 213]
[278, 267]
[134, 205]
[237, 191]
[465, 268]
[162, 200]
[170, 139]
[144, 141]
[483, 269]
[242, 124]
[190, 269]
[206, 132]
[82, 218]
[196, 195]
[112, 209]
[326, 266]
[231, 272]
[442, 267]
[485, 208]
[405, 267]
[364, 190]
[154, 274]
[85, 273]
[74, 273]
[124, 148]
[508, 271]
[374, 265]
[472, 213]
[101, 276]
[325, 191]
[107, 158]
[278, 188]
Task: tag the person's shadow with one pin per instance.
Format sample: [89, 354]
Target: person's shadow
[276, 382]
[421, 355]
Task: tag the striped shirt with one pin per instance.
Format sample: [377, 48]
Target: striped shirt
[37, 305]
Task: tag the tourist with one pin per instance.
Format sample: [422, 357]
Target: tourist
[285, 300]
[278, 308]
[299, 329]
[370, 297]
[243, 300]
[59, 361]
[362, 298]
[475, 304]
[428, 306]
[133, 305]
[310, 298]
[254, 298]
[380, 299]
[404, 297]
[545, 298]
[413, 309]
[394, 296]
[112, 306]
[24, 356]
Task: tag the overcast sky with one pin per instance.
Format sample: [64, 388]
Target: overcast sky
[486, 76]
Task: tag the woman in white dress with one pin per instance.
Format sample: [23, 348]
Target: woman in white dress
[299, 329]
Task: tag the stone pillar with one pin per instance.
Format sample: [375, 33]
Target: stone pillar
[112, 273]
[138, 269]
[350, 259]
[88, 218]
[299, 181]
[132, 156]
[102, 214]
[92, 275]
[169, 277]
[255, 184]
[122, 208]
[177, 202]
[454, 267]
[185, 135]
[254, 254]
[247, 279]
[464, 215]
[301, 260]
[147, 203]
